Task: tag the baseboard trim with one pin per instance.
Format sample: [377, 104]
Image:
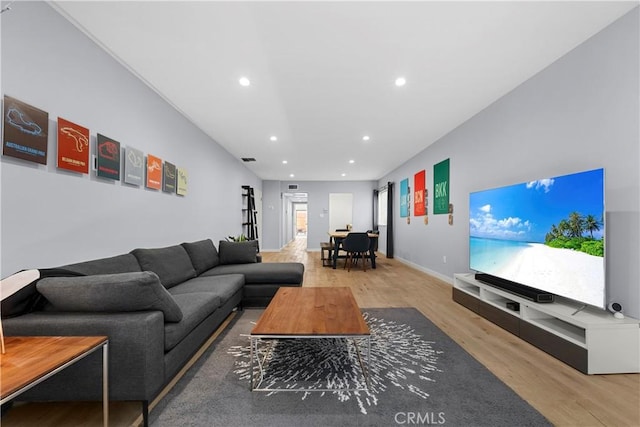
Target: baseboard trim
[430, 272]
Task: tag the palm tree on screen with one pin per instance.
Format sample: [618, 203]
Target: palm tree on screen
[576, 224]
[591, 224]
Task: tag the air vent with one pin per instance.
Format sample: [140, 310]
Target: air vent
[248, 159]
[293, 186]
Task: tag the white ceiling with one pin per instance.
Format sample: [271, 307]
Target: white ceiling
[322, 73]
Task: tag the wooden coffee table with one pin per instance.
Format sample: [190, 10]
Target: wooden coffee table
[309, 313]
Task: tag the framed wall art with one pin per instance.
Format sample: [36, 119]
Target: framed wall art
[441, 187]
[108, 157]
[25, 131]
[183, 178]
[73, 146]
[419, 194]
[154, 172]
[169, 178]
[133, 166]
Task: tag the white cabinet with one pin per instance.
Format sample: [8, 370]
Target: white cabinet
[590, 340]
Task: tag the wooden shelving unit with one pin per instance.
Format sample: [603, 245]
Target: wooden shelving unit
[250, 214]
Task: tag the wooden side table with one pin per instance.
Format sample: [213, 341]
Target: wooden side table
[30, 360]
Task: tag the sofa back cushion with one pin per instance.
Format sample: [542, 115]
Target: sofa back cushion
[203, 254]
[112, 293]
[238, 252]
[124, 263]
[172, 264]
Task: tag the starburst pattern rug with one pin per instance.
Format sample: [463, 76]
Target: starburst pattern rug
[418, 376]
[401, 358]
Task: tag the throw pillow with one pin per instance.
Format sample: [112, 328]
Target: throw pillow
[203, 254]
[122, 292]
[238, 252]
[172, 264]
[27, 299]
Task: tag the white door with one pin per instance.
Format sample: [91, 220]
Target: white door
[340, 210]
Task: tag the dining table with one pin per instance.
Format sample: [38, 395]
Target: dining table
[336, 238]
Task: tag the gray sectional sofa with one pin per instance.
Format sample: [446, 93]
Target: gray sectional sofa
[157, 306]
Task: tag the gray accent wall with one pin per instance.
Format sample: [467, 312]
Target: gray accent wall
[52, 217]
[580, 113]
[275, 230]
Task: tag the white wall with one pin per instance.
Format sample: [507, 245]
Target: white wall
[580, 113]
[51, 217]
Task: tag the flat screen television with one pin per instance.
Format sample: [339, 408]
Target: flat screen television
[545, 235]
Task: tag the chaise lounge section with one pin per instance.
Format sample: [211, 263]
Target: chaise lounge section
[157, 306]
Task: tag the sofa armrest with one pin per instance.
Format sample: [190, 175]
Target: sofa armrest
[136, 354]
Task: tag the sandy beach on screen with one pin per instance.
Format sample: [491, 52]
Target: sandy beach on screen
[563, 272]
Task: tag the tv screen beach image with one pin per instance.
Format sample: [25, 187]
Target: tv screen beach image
[547, 234]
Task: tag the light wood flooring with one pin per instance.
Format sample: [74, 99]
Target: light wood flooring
[562, 394]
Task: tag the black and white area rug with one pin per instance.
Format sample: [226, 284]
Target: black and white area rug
[418, 376]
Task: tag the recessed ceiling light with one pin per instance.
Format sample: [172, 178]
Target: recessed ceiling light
[366, 138]
[274, 138]
[401, 81]
[352, 161]
[244, 81]
[344, 174]
[291, 175]
[284, 162]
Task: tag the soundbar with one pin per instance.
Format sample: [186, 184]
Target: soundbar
[532, 294]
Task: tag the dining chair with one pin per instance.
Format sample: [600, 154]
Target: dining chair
[356, 245]
[374, 241]
[338, 230]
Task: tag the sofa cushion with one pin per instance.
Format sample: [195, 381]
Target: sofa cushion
[263, 272]
[122, 292]
[124, 263]
[195, 307]
[203, 254]
[224, 286]
[172, 264]
[238, 252]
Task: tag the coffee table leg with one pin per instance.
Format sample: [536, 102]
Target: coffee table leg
[368, 360]
[365, 370]
[105, 384]
[251, 370]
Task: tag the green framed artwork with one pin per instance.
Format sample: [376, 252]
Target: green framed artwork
[441, 187]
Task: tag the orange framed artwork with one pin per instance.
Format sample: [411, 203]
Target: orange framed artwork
[73, 146]
[419, 193]
[154, 172]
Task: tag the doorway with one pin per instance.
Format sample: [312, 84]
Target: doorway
[295, 225]
[300, 210]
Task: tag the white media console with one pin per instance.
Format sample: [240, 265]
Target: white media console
[590, 340]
